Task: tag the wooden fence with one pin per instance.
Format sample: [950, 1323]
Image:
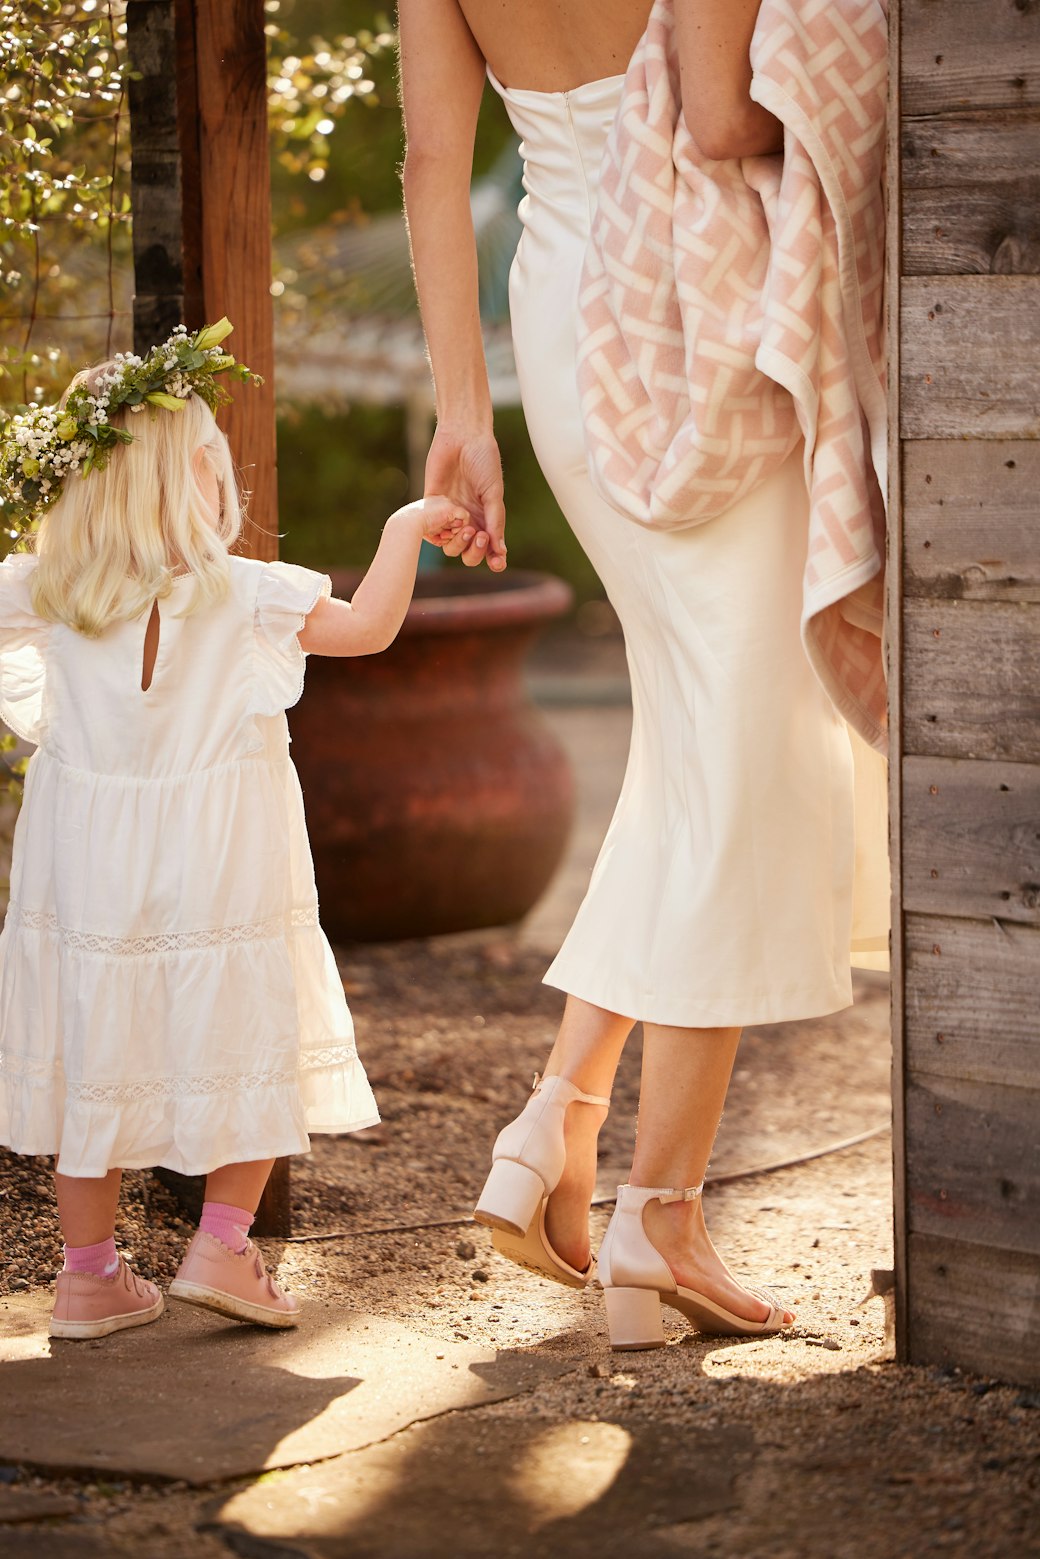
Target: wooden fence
[964, 185]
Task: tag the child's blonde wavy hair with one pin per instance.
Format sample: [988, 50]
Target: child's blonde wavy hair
[113, 541]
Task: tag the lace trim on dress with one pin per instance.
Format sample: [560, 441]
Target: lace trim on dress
[218, 1083]
[181, 1087]
[25, 1066]
[162, 941]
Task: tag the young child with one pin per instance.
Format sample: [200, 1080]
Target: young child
[166, 993]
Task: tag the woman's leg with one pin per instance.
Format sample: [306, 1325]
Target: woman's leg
[87, 1208]
[686, 1075]
[587, 1050]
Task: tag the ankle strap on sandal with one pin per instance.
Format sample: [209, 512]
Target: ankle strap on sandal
[579, 1096]
[665, 1194]
[688, 1193]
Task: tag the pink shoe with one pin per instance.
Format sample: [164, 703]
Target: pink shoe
[212, 1276]
[87, 1305]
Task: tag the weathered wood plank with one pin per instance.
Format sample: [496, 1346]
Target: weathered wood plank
[235, 189]
[973, 1162]
[963, 221]
[191, 176]
[274, 1212]
[971, 679]
[958, 54]
[975, 1306]
[970, 347]
[973, 1000]
[971, 839]
[971, 519]
[971, 195]
[894, 652]
[155, 171]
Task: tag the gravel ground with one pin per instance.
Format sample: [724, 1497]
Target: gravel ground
[844, 1452]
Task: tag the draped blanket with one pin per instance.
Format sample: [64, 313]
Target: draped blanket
[728, 309]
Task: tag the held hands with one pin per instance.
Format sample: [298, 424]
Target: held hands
[441, 522]
[370, 620]
[466, 464]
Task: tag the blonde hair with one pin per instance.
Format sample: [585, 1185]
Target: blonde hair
[114, 540]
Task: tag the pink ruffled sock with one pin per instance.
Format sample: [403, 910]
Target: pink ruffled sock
[229, 1224]
[100, 1260]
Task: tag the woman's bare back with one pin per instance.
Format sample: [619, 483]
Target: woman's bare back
[555, 45]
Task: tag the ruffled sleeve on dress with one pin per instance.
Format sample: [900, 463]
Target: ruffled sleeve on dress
[285, 595]
[23, 643]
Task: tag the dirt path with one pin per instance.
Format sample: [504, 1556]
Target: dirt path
[438, 1402]
[814, 1444]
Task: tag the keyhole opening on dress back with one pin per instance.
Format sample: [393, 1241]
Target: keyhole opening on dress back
[151, 648]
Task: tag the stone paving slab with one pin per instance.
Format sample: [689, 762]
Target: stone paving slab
[555, 1487]
[194, 1398]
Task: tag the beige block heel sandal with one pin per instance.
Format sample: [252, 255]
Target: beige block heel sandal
[527, 1162]
[637, 1281]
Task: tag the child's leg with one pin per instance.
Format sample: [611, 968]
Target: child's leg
[240, 1184]
[221, 1271]
[96, 1293]
[87, 1212]
[233, 1194]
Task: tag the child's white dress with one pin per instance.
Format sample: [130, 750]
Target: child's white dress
[166, 993]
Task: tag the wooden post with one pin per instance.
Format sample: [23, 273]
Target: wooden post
[894, 611]
[201, 200]
[965, 276]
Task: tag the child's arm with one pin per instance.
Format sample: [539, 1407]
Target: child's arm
[370, 621]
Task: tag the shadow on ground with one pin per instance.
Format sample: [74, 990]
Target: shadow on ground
[876, 1460]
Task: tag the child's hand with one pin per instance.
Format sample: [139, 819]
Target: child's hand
[442, 520]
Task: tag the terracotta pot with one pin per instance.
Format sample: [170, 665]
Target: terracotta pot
[437, 797]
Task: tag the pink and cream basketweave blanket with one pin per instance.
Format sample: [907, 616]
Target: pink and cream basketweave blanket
[728, 309]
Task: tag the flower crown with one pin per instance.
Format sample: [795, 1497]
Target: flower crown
[42, 445]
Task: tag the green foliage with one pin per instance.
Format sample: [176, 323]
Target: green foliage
[359, 159]
[65, 165]
[62, 83]
[312, 82]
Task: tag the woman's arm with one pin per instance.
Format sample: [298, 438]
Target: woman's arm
[371, 620]
[442, 82]
[714, 38]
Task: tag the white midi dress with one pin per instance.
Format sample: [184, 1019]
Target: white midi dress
[167, 996]
[723, 894]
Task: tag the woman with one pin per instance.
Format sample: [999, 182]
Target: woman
[722, 895]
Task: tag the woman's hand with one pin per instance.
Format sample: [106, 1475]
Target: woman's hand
[467, 466]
